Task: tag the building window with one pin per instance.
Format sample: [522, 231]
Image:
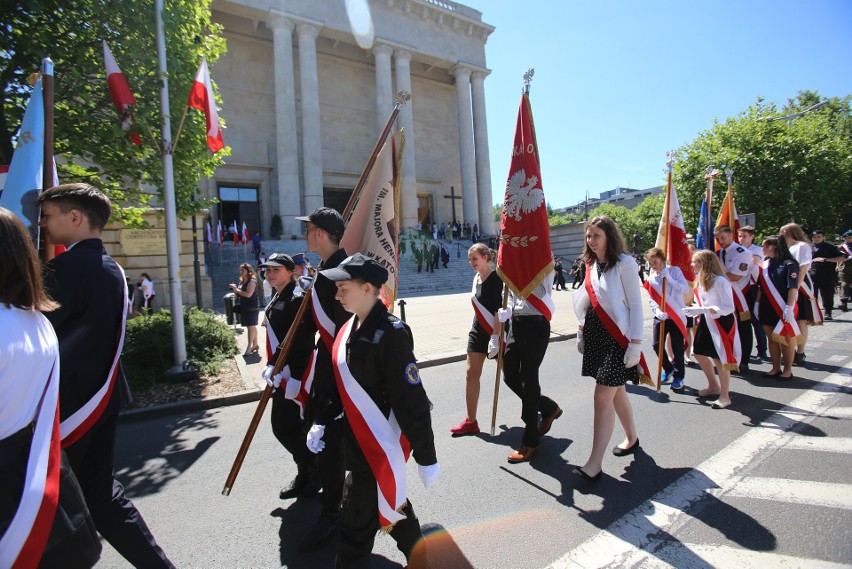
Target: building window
[239, 204]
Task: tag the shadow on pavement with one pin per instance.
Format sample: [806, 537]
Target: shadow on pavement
[164, 440]
[296, 519]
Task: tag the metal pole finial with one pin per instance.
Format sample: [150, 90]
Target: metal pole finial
[670, 158]
[528, 79]
[400, 98]
[729, 174]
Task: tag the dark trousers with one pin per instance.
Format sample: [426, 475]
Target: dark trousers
[289, 429]
[332, 467]
[746, 339]
[361, 522]
[757, 327]
[116, 518]
[520, 368]
[826, 289]
[677, 367]
[560, 281]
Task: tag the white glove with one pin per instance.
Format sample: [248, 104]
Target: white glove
[275, 381]
[291, 390]
[504, 314]
[266, 374]
[632, 355]
[661, 315]
[788, 313]
[314, 440]
[581, 345]
[429, 474]
[493, 346]
[694, 311]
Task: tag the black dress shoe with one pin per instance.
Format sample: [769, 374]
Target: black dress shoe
[582, 474]
[618, 451]
[326, 526]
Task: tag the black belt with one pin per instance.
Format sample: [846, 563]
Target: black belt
[528, 317]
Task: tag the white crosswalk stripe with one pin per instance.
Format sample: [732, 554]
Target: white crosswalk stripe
[642, 538]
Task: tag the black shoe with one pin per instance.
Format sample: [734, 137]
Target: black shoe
[326, 526]
[304, 485]
[743, 371]
[618, 451]
[799, 359]
[582, 474]
[828, 316]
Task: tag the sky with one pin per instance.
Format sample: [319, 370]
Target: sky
[617, 84]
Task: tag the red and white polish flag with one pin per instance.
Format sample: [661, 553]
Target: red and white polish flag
[121, 95]
[676, 248]
[245, 234]
[201, 98]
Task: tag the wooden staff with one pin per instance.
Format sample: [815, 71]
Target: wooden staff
[500, 345]
[401, 98]
[47, 180]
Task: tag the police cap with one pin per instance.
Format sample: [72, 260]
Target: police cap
[358, 267]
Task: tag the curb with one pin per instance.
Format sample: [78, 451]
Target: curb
[253, 393]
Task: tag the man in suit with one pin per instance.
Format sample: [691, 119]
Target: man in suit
[91, 290]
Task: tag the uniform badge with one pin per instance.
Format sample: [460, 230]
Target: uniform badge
[412, 374]
[794, 275]
[743, 266]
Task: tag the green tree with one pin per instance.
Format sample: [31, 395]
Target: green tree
[626, 221]
[86, 127]
[798, 170]
[646, 217]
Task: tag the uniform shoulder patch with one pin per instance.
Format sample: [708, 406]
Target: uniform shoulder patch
[743, 266]
[740, 250]
[396, 322]
[412, 374]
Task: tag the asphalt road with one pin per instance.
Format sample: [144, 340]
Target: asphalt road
[764, 483]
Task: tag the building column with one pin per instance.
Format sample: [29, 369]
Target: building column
[286, 142]
[384, 86]
[466, 152]
[408, 199]
[483, 161]
[311, 138]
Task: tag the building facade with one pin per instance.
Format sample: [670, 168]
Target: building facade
[304, 104]
[625, 197]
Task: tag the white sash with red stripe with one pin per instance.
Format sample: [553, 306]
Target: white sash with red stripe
[79, 423]
[544, 305]
[740, 304]
[324, 323]
[672, 307]
[26, 537]
[727, 344]
[782, 330]
[483, 316]
[380, 438]
[806, 290]
[612, 327]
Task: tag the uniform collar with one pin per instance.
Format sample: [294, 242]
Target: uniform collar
[367, 329]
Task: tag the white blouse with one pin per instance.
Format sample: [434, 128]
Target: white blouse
[720, 296]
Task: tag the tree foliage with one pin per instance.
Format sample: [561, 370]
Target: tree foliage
[799, 170]
[86, 128]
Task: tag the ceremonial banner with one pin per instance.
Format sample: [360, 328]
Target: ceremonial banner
[728, 214]
[704, 236]
[220, 238]
[236, 233]
[209, 234]
[121, 95]
[201, 97]
[24, 178]
[524, 258]
[671, 236]
[245, 234]
[372, 226]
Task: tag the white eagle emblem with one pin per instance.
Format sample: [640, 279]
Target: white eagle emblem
[522, 197]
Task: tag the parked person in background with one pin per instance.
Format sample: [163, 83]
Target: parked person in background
[777, 305]
[559, 269]
[745, 235]
[823, 271]
[256, 242]
[483, 337]
[247, 290]
[809, 312]
[846, 271]
[717, 341]
[609, 313]
[445, 255]
[737, 263]
[146, 286]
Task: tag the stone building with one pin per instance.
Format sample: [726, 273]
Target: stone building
[304, 104]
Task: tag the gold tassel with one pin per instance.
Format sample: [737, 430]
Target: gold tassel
[744, 316]
[731, 367]
[387, 529]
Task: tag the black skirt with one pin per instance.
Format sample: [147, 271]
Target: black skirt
[703, 344]
[477, 339]
[603, 358]
[248, 317]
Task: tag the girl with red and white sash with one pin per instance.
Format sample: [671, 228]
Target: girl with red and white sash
[671, 317]
[30, 453]
[809, 311]
[387, 415]
[482, 340]
[777, 305]
[717, 340]
[609, 311]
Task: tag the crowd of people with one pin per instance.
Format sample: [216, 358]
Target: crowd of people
[347, 394]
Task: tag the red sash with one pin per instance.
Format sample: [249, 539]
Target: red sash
[740, 304]
[726, 342]
[79, 423]
[380, 438]
[674, 315]
[325, 324]
[612, 328]
[806, 290]
[23, 543]
[782, 330]
[544, 305]
[483, 316]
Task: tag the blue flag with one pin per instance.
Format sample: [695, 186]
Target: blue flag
[24, 180]
[704, 235]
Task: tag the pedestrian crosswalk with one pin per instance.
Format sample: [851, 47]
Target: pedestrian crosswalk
[650, 535]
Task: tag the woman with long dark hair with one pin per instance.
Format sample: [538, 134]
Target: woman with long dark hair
[247, 290]
[609, 312]
[777, 305]
[808, 311]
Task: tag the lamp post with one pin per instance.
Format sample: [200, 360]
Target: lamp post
[789, 118]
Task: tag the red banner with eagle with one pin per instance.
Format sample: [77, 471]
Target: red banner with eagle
[524, 258]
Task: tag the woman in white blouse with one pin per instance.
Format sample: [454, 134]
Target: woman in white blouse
[802, 252]
[716, 338]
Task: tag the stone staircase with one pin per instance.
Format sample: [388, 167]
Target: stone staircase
[455, 278]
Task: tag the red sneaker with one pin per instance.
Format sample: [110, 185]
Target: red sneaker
[466, 427]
